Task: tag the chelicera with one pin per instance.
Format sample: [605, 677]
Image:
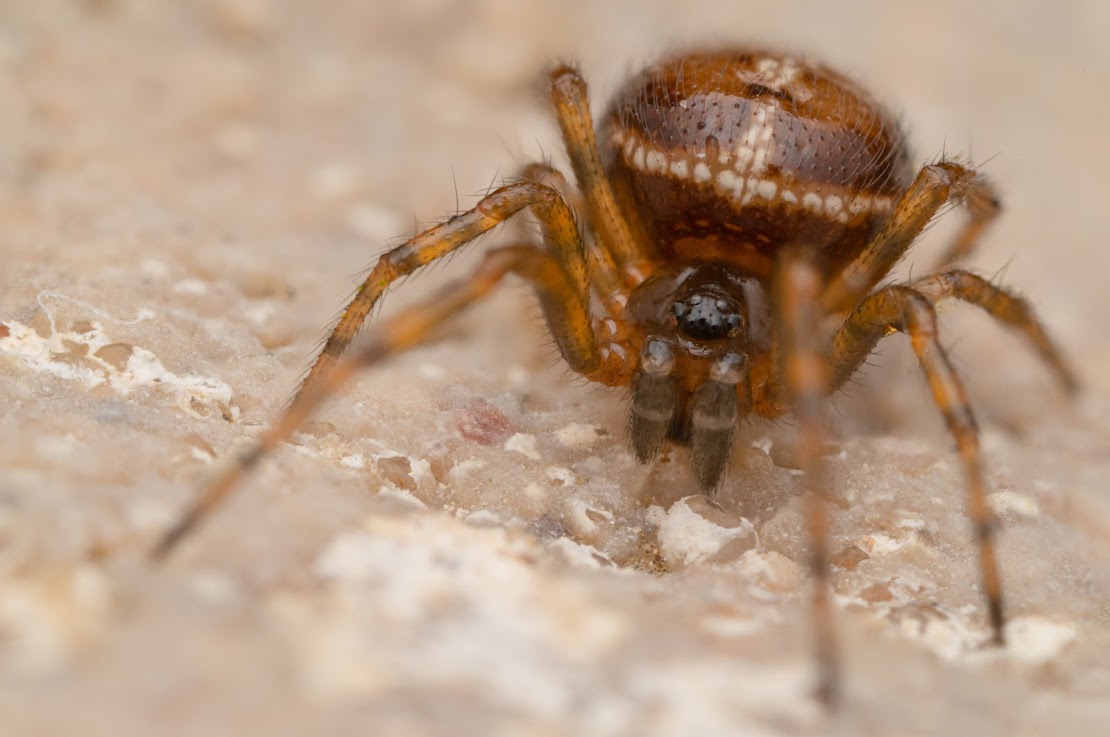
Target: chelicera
[735, 214]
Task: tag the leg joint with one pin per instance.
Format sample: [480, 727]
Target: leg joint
[918, 318]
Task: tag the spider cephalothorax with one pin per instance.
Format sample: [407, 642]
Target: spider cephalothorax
[708, 314]
[743, 209]
[693, 371]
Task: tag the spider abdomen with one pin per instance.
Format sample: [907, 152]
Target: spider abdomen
[729, 156]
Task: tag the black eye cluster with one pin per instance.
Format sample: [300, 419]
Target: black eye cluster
[706, 317]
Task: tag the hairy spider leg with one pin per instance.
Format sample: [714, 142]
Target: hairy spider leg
[934, 186]
[1006, 307]
[805, 372]
[569, 95]
[617, 250]
[565, 307]
[604, 274]
[902, 309]
[983, 207]
[549, 206]
[634, 256]
[715, 410]
[544, 173]
[795, 370]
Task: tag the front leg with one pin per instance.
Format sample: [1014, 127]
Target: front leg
[903, 309]
[1005, 307]
[801, 370]
[935, 185]
[547, 203]
[565, 309]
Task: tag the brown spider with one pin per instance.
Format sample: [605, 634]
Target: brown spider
[741, 208]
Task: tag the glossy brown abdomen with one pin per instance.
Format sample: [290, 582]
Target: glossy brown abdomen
[729, 156]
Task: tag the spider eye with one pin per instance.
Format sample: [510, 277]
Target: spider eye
[706, 318]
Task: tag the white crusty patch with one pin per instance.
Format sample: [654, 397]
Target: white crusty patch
[576, 435]
[686, 537]
[525, 444]
[1037, 640]
[141, 369]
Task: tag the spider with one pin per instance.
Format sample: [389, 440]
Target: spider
[736, 212]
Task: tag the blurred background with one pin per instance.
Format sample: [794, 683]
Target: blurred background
[188, 192]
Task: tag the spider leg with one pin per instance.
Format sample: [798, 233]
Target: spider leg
[935, 185]
[903, 309]
[983, 208]
[1004, 306]
[564, 305]
[654, 400]
[544, 173]
[604, 275]
[632, 255]
[548, 205]
[797, 291]
[716, 406]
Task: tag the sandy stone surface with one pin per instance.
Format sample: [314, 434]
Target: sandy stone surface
[461, 544]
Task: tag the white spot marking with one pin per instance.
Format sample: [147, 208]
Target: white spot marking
[738, 188]
[767, 66]
[833, 205]
[858, 205]
[766, 189]
[776, 74]
[680, 168]
[788, 196]
[788, 70]
[744, 156]
[812, 202]
[638, 158]
[702, 173]
[656, 161]
[749, 192]
[752, 151]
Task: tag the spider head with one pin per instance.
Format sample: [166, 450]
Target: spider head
[706, 312]
[693, 381]
[701, 308]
